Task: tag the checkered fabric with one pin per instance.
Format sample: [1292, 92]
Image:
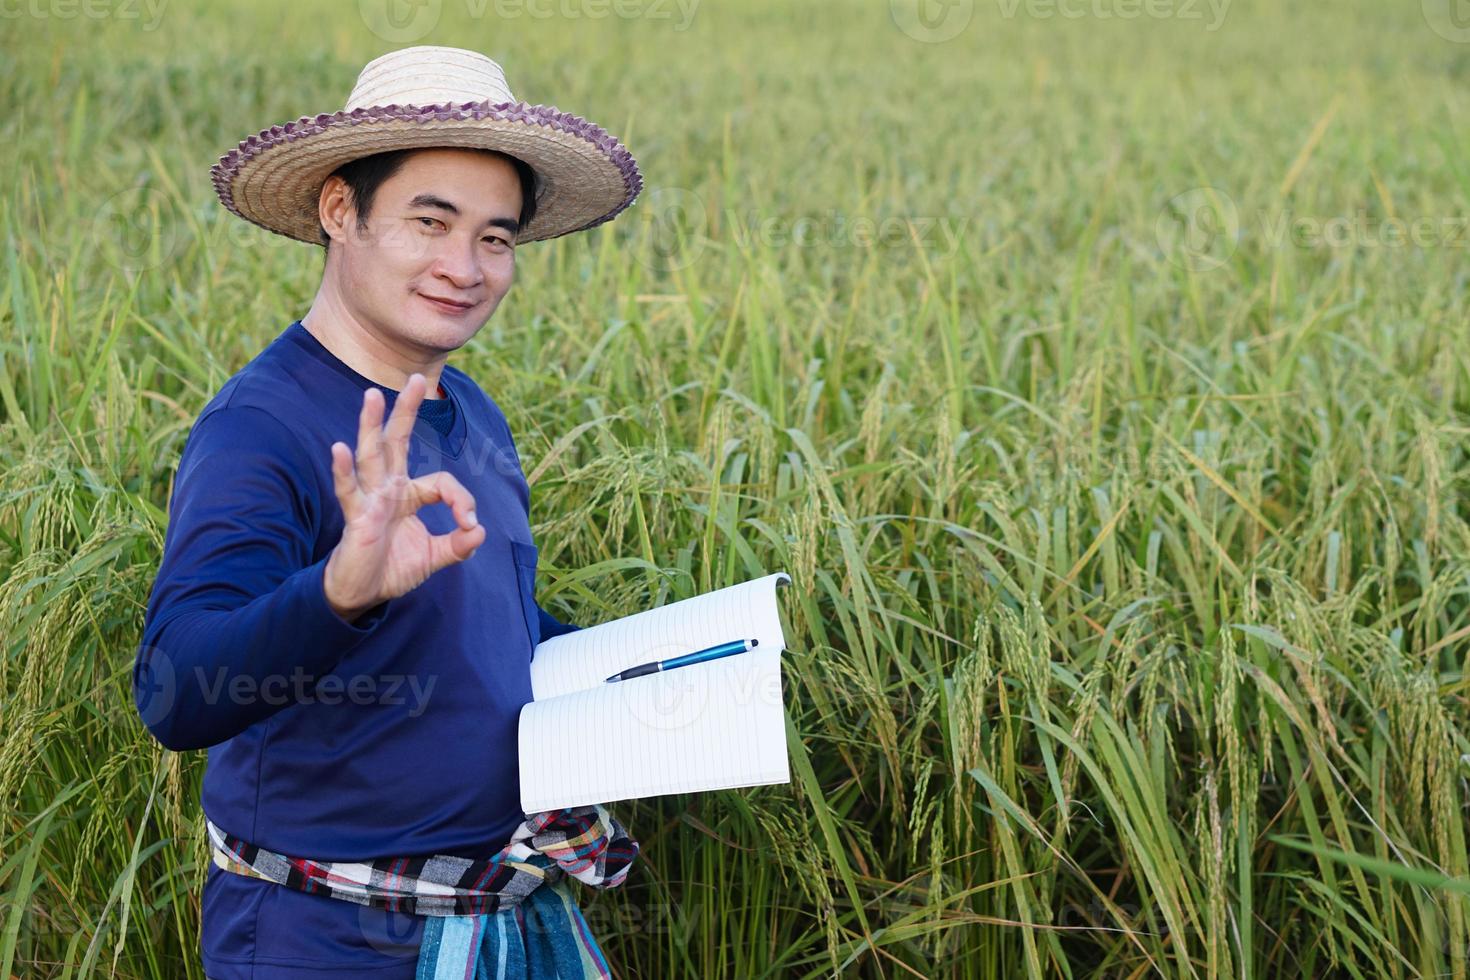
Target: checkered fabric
[478, 909]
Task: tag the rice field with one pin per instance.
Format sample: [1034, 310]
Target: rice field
[1098, 369]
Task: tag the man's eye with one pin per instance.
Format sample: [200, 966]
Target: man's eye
[429, 219]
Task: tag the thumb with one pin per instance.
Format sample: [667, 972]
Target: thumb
[454, 546]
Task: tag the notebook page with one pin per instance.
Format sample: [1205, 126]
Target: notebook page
[715, 725]
[586, 658]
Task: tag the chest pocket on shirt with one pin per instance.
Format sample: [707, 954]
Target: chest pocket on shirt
[525, 562]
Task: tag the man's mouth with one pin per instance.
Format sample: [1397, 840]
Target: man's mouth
[446, 305]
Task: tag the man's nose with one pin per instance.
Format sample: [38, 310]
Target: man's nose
[457, 262]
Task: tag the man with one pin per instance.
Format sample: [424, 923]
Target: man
[344, 614]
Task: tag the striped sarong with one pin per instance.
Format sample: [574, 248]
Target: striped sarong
[506, 917]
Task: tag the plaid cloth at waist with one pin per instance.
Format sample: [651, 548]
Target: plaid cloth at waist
[473, 905]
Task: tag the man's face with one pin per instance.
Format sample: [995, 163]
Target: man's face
[442, 228]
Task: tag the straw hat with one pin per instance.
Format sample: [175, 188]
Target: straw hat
[429, 96]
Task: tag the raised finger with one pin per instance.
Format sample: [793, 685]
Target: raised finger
[344, 481]
[400, 424]
[370, 467]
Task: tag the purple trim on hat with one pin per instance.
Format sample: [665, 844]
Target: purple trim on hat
[223, 173]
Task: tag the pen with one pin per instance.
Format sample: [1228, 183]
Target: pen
[698, 656]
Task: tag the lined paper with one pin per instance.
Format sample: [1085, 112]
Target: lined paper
[708, 726]
[587, 657]
[715, 725]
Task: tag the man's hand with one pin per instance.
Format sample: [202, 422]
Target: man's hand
[385, 549]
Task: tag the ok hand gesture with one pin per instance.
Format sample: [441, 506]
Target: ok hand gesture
[385, 549]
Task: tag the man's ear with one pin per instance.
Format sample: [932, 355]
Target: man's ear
[334, 207]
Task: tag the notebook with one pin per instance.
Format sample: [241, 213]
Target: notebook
[704, 726]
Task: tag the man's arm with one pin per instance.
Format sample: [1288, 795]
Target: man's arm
[551, 626]
[238, 608]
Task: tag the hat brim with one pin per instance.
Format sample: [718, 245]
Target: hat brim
[585, 177]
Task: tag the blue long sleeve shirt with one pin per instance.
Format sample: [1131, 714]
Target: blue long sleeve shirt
[392, 734]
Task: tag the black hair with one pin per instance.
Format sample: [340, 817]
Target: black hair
[366, 174]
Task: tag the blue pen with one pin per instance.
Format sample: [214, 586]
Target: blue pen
[697, 657]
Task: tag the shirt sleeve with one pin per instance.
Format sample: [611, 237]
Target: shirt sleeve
[551, 626]
[238, 608]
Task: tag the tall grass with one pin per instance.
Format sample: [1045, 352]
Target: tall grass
[1129, 633]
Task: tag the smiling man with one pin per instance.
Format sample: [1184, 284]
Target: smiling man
[345, 611]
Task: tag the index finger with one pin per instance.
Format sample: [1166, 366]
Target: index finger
[400, 423]
[369, 439]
